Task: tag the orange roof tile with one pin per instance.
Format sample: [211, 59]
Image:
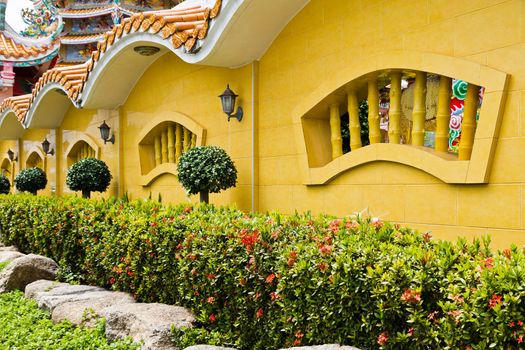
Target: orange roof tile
[87, 12]
[181, 26]
[12, 50]
[81, 39]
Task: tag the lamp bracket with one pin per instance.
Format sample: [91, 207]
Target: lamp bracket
[238, 115]
[111, 139]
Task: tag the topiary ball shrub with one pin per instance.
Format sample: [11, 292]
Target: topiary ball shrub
[5, 186]
[31, 180]
[206, 169]
[88, 175]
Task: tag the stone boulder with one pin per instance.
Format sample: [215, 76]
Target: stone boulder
[10, 248]
[324, 347]
[24, 270]
[67, 301]
[87, 312]
[207, 347]
[150, 323]
[8, 256]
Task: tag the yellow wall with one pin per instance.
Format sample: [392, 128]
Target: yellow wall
[325, 38]
[329, 35]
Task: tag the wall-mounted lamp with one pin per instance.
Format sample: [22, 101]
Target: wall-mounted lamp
[11, 155]
[228, 104]
[146, 50]
[104, 133]
[45, 147]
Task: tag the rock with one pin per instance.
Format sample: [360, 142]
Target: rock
[324, 347]
[39, 286]
[10, 248]
[87, 312]
[24, 270]
[148, 322]
[8, 256]
[207, 347]
[50, 296]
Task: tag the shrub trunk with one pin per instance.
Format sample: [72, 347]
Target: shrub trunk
[86, 194]
[205, 197]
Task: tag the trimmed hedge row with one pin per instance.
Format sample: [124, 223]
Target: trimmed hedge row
[267, 281]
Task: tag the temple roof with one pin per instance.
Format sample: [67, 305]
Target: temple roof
[25, 51]
[88, 12]
[182, 26]
[78, 39]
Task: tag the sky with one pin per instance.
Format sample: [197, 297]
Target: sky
[13, 13]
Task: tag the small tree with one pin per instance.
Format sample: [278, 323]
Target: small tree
[88, 175]
[206, 169]
[31, 180]
[5, 186]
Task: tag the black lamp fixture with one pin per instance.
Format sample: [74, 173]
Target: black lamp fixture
[228, 104]
[11, 155]
[45, 147]
[104, 133]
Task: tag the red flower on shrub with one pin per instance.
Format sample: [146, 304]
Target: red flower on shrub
[334, 226]
[507, 253]
[274, 296]
[325, 249]
[210, 276]
[297, 342]
[188, 209]
[213, 318]
[352, 225]
[211, 300]
[410, 331]
[112, 280]
[377, 223]
[260, 313]
[411, 296]
[270, 278]
[382, 339]
[322, 266]
[495, 300]
[249, 240]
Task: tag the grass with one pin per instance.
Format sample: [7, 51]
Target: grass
[25, 327]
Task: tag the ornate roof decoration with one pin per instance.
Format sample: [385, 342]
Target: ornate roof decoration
[182, 26]
[25, 52]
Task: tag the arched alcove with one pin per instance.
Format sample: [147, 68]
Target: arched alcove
[163, 140]
[83, 148]
[35, 159]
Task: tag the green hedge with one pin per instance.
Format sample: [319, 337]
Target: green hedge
[266, 281]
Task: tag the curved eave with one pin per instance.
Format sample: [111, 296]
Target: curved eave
[244, 31]
[48, 108]
[222, 40]
[31, 60]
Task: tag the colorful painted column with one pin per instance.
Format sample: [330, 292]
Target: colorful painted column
[373, 111]
[394, 128]
[443, 114]
[353, 121]
[468, 126]
[419, 110]
[335, 131]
